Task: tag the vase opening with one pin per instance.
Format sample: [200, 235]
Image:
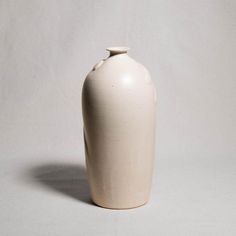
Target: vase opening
[117, 50]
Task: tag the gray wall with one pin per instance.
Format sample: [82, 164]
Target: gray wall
[47, 47]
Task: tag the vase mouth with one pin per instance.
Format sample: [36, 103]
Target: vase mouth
[117, 50]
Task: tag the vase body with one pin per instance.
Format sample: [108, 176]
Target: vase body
[118, 101]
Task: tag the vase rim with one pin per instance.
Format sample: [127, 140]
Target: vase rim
[117, 50]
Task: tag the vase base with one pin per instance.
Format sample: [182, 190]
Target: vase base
[119, 208]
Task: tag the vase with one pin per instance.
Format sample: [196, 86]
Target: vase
[118, 103]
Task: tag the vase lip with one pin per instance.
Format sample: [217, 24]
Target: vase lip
[117, 50]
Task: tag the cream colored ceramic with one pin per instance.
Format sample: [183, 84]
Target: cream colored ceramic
[118, 102]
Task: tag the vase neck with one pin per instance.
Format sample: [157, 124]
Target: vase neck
[117, 50]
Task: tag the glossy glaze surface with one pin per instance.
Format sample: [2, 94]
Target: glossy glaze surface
[119, 127]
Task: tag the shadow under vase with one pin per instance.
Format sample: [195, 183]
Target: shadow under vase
[66, 179]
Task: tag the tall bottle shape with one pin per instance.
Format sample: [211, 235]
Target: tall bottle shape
[119, 103]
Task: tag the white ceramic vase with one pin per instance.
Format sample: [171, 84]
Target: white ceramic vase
[119, 101]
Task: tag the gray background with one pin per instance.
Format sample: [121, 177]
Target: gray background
[46, 50]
